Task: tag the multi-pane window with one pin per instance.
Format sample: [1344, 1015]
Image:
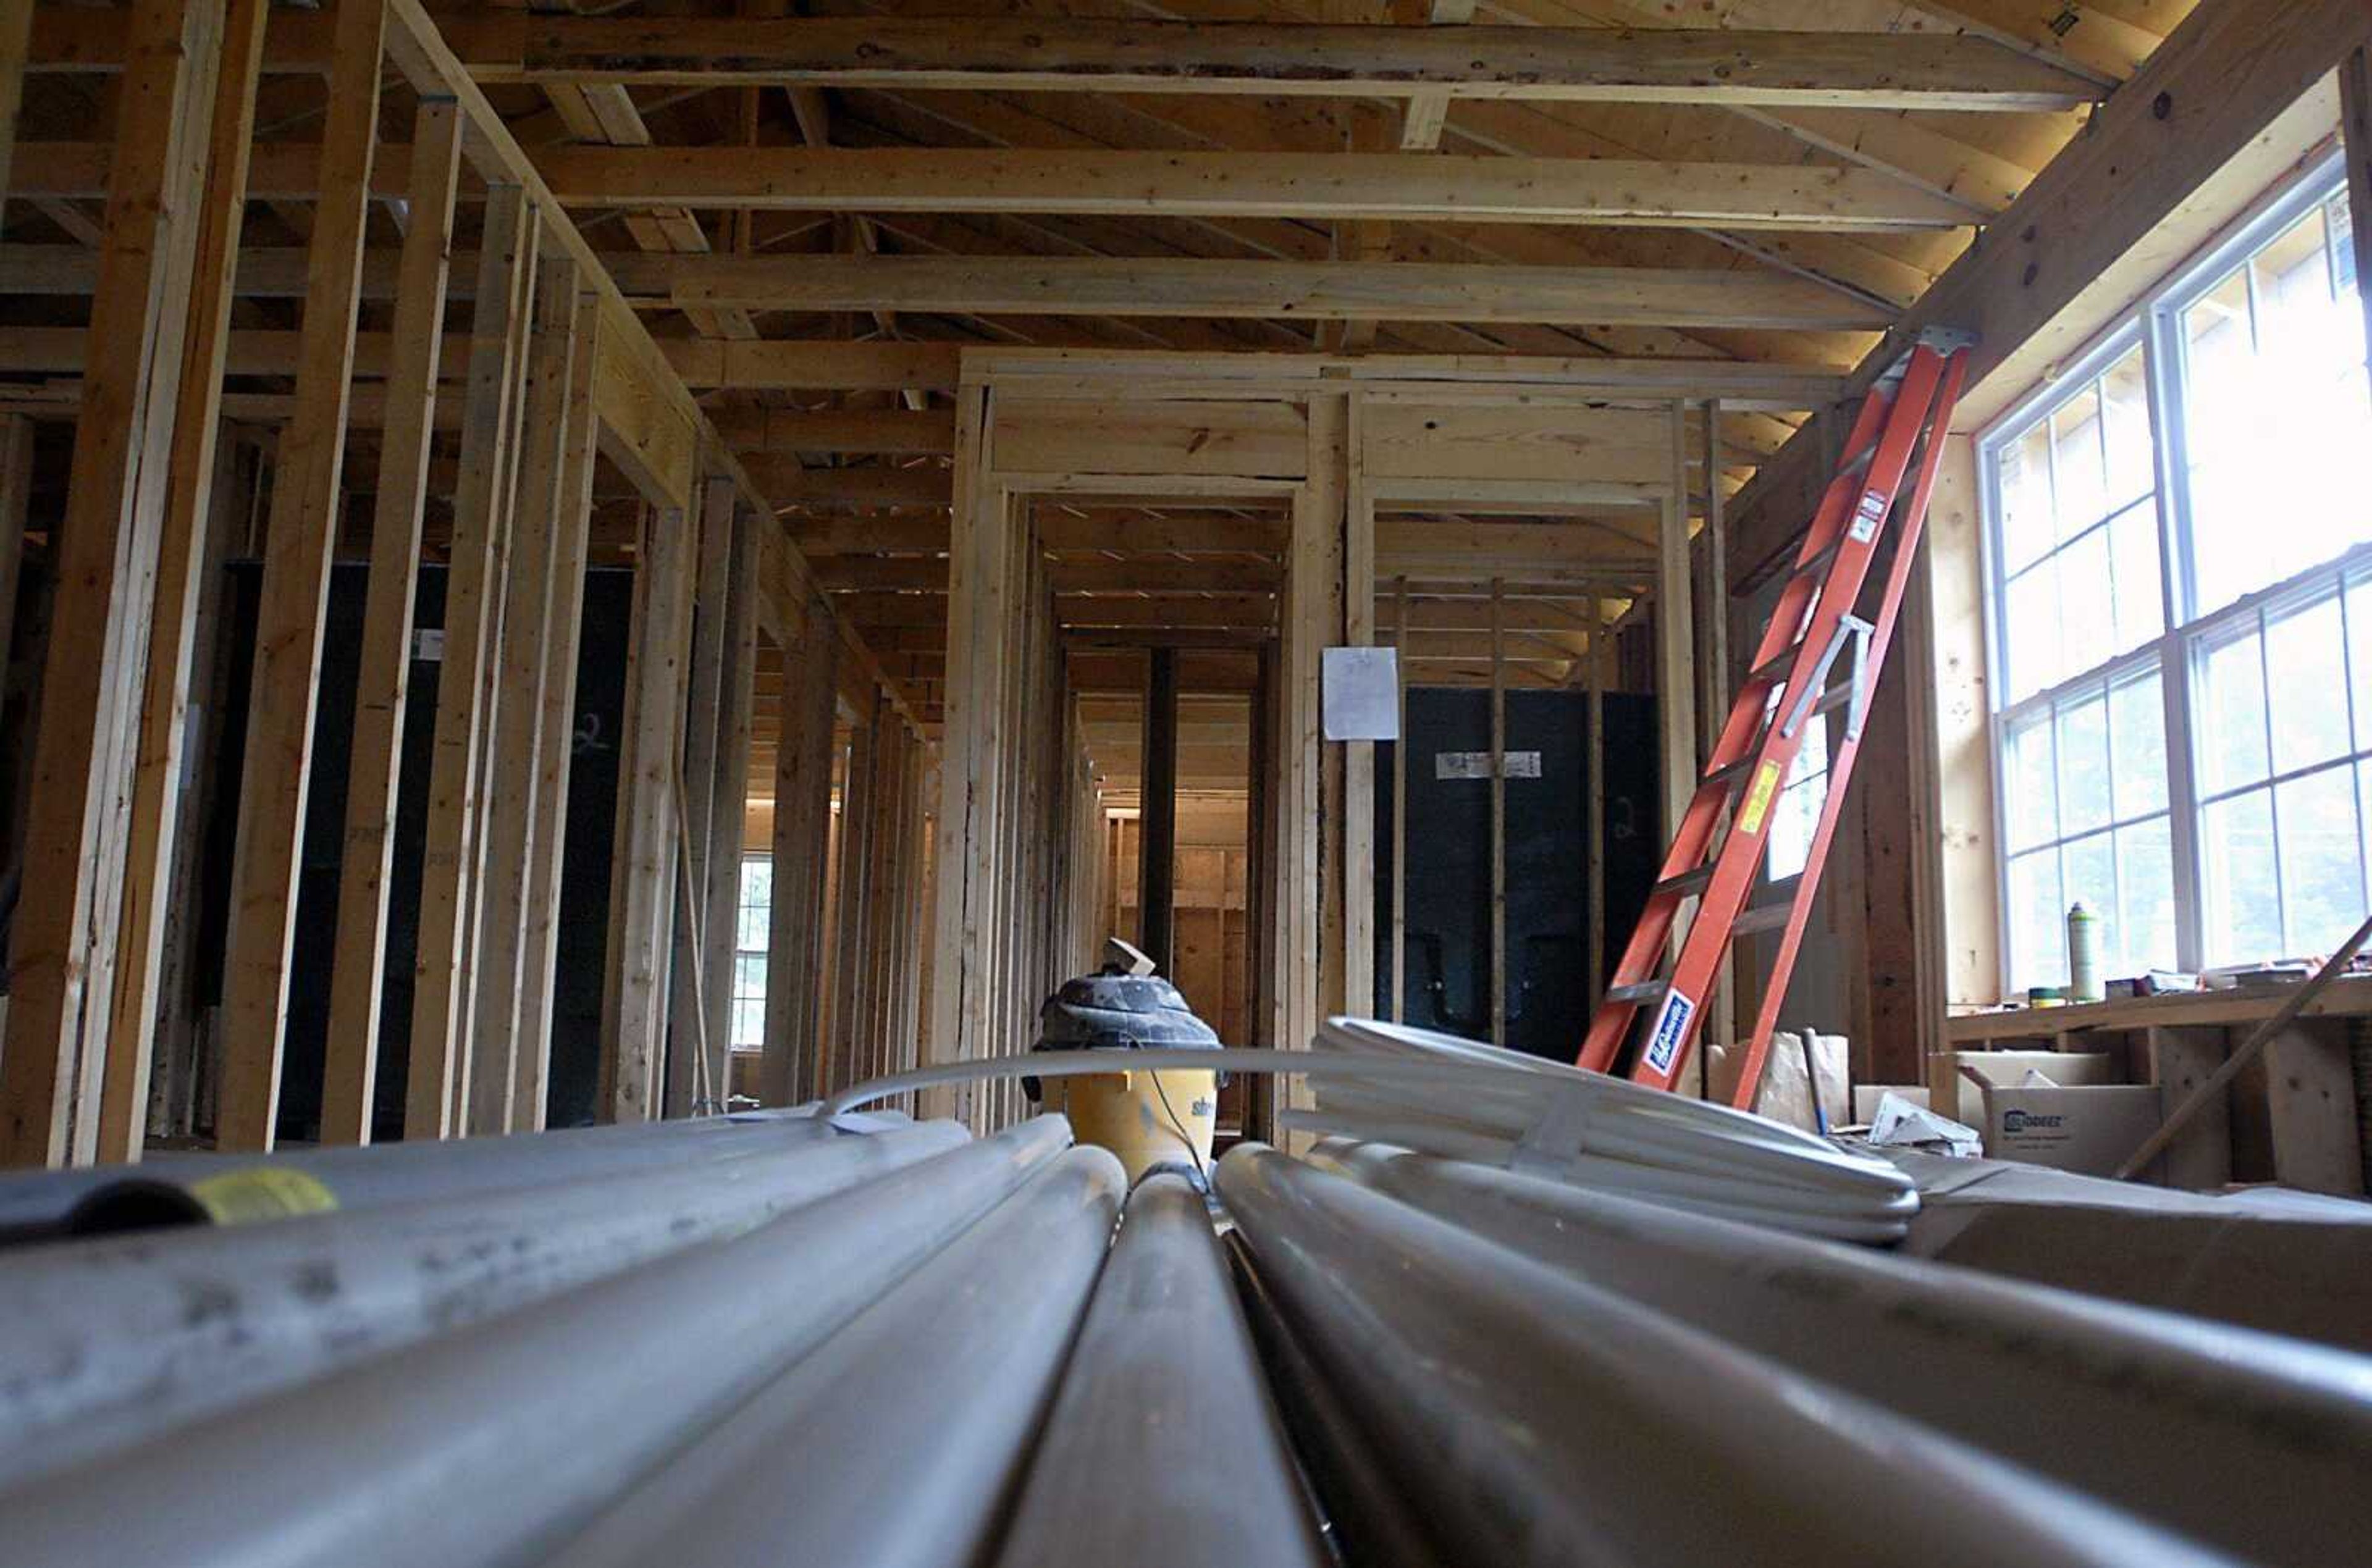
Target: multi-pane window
[2182, 617]
[2084, 806]
[751, 928]
[2080, 533]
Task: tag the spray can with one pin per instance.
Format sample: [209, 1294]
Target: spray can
[2083, 954]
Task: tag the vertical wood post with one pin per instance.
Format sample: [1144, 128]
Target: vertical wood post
[1399, 804]
[2356, 129]
[66, 930]
[1357, 898]
[1675, 638]
[555, 738]
[1156, 861]
[1601, 665]
[16, 36]
[729, 802]
[643, 893]
[357, 974]
[1720, 1023]
[1498, 812]
[437, 1086]
[706, 679]
[982, 564]
[802, 849]
[307, 506]
[181, 562]
[518, 666]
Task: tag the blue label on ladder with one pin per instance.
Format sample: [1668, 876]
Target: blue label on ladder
[1671, 1024]
[1867, 516]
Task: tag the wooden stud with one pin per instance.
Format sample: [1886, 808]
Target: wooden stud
[1599, 665]
[1399, 808]
[643, 895]
[15, 36]
[802, 850]
[711, 633]
[350, 1067]
[513, 744]
[1675, 639]
[2356, 129]
[1498, 820]
[15, 506]
[307, 506]
[556, 731]
[1157, 861]
[66, 925]
[183, 557]
[437, 1092]
[1358, 757]
[729, 796]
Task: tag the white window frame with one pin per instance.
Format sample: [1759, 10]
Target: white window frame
[2155, 323]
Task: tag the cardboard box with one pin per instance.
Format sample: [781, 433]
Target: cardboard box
[2285, 1262]
[1955, 1097]
[2090, 1131]
[1785, 1094]
[1866, 1096]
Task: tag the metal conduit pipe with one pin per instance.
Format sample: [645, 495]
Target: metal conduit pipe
[1544, 1421]
[2256, 1442]
[484, 1446]
[112, 1340]
[896, 1443]
[1162, 1449]
[206, 1189]
[1367, 1519]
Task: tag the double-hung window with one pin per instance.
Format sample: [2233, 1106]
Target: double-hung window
[750, 939]
[2182, 616]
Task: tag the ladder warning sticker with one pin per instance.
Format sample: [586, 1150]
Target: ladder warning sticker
[1671, 1025]
[1867, 516]
[1758, 796]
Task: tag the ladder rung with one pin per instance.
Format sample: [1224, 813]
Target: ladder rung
[1761, 917]
[1776, 665]
[1687, 882]
[1640, 991]
[1818, 558]
[1835, 697]
[1722, 777]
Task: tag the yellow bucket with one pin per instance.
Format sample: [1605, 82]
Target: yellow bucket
[1148, 1119]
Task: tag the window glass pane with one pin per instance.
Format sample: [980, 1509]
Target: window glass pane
[2235, 851]
[2275, 407]
[750, 930]
[2032, 813]
[2038, 938]
[2024, 477]
[2133, 576]
[758, 880]
[2124, 406]
[2143, 937]
[2306, 673]
[748, 1025]
[2030, 636]
[2079, 481]
[2088, 632]
[2323, 879]
[2084, 765]
[2087, 870]
[2230, 697]
[750, 974]
[2137, 743]
[2359, 658]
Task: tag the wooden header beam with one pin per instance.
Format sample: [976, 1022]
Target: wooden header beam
[1319, 185]
[1835, 70]
[1321, 290]
[1453, 188]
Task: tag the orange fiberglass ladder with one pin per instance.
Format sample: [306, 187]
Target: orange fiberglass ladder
[1811, 628]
